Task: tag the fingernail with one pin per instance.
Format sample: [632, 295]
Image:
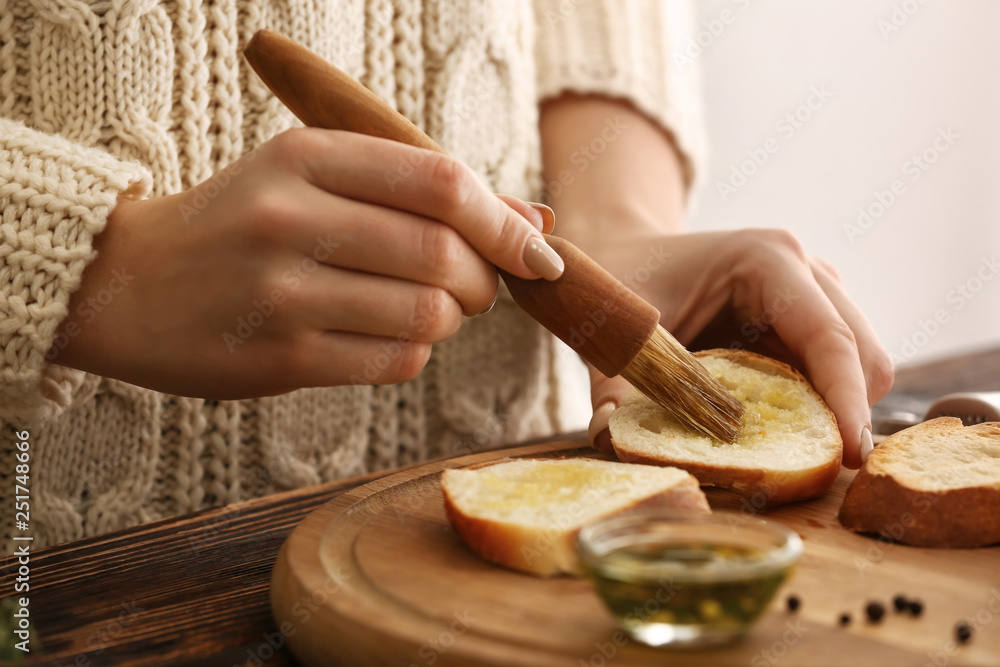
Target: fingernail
[542, 259]
[866, 444]
[489, 307]
[548, 216]
[598, 433]
[599, 421]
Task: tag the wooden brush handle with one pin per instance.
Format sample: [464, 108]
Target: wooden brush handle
[320, 95]
[587, 308]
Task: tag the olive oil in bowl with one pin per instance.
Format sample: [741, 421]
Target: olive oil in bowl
[687, 580]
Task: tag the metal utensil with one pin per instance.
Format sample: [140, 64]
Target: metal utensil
[971, 407]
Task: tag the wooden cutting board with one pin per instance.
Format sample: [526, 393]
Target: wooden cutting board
[378, 577]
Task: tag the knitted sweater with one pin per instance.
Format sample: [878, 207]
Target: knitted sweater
[108, 98]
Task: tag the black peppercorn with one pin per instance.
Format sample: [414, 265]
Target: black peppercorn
[875, 611]
[900, 603]
[794, 603]
[845, 619]
[963, 633]
[916, 607]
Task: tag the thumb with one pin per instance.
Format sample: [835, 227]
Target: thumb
[605, 395]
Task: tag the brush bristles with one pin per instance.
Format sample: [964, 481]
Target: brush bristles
[668, 374]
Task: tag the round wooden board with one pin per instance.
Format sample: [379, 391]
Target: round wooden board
[378, 577]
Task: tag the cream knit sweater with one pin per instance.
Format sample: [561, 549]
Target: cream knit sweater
[149, 97]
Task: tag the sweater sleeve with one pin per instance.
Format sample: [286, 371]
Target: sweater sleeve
[631, 50]
[55, 196]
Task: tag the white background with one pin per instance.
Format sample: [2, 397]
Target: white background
[891, 91]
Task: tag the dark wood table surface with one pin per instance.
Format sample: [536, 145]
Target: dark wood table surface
[193, 590]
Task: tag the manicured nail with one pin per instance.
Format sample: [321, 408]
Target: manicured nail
[866, 444]
[548, 216]
[542, 259]
[489, 307]
[599, 421]
[598, 433]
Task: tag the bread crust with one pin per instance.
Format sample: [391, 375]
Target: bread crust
[756, 361]
[547, 551]
[879, 503]
[762, 487]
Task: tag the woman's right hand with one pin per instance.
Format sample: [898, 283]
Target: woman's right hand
[322, 258]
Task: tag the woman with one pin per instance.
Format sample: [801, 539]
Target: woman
[200, 306]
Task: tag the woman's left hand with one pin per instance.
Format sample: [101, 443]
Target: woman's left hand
[752, 289]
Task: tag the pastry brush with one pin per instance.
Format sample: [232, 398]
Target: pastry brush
[587, 308]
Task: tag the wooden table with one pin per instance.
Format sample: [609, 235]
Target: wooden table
[193, 590]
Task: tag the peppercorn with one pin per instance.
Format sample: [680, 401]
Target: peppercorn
[963, 633]
[794, 603]
[900, 603]
[875, 611]
[845, 619]
[916, 607]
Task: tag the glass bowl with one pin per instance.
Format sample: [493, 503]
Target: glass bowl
[684, 579]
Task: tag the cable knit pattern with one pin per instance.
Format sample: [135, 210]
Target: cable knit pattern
[136, 97]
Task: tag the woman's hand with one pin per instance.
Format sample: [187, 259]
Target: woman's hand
[323, 258]
[753, 289]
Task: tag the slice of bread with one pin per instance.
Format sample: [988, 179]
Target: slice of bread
[525, 514]
[936, 484]
[789, 447]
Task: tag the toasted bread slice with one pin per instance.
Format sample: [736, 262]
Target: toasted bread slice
[525, 514]
[936, 484]
[789, 446]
